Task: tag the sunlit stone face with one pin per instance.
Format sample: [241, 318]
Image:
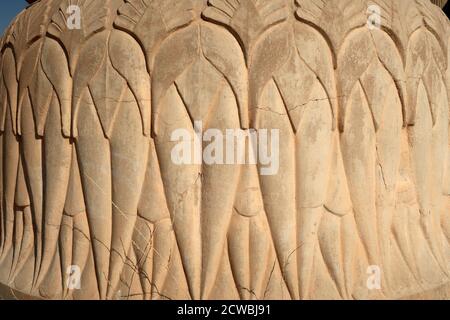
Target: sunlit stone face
[225, 149]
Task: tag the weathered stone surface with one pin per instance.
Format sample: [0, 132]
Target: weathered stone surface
[357, 208]
[440, 3]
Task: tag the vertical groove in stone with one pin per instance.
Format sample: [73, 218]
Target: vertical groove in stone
[440, 3]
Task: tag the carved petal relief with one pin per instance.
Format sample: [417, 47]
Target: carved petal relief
[357, 120]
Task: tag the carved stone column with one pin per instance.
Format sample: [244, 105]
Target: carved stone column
[123, 124]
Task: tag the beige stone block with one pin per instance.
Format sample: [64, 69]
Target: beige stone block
[225, 149]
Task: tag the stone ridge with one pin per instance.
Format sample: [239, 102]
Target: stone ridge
[354, 95]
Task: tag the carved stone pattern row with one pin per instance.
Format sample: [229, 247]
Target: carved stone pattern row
[86, 177]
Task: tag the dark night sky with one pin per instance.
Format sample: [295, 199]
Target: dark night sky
[8, 10]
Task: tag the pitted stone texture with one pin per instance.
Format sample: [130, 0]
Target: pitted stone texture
[89, 190]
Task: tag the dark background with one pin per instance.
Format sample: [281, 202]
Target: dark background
[447, 9]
